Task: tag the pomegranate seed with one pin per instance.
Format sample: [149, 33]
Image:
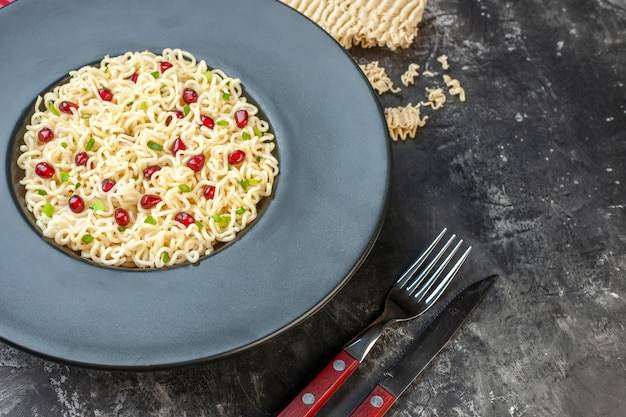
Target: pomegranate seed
[107, 185]
[45, 135]
[209, 192]
[67, 106]
[241, 117]
[149, 201]
[168, 120]
[105, 94]
[76, 203]
[196, 162]
[165, 66]
[149, 172]
[134, 77]
[207, 121]
[178, 145]
[236, 157]
[81, 159]
[185, 218]
[44, 170]
[190, 96]
[121, 217]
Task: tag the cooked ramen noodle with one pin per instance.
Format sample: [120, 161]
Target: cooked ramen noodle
[146, 160]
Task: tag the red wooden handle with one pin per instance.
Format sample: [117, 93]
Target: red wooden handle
[375, 404]
[311, 398]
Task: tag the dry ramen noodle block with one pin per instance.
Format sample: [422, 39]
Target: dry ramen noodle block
[403, 122]
[378, 78]
[146, 160]
[368, 23]
[409, 76]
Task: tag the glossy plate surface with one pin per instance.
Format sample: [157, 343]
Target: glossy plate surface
[315, 231]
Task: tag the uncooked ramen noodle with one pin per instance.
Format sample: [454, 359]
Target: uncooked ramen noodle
[146, 160]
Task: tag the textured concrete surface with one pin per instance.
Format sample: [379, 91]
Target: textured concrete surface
[531, 170]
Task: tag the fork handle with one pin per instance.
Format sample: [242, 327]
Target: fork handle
[315, 395]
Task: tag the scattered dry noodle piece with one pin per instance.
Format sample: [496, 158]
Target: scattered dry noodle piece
[436, 98]
[409, 76]
[428, 74]
[390, 23]
[378, 78]
[443, 60]
[454, 87]
[403, 122]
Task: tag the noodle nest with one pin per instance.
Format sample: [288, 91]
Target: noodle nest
[127, 115]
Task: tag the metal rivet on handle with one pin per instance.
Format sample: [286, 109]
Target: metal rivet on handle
[339, 365]
[308, 398]
[376, 401]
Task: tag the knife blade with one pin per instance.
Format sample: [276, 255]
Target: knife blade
[432, 340]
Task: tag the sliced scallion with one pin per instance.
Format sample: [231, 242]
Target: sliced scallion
[65, 176]
[53, 109]
[186, 110]
[77, 185]
[150, 220]
[200, 225]
[90, 144]
[155, 146]
[184, 188]
[64, 145]
[226, 96]
[97, 205]
[87, 238]
[222, 122]
[42, 192]
[48, 209]
[240, 210]
[245, 136]
[166, 257]
[155, 74]
[144, 105]
[257, 131]
[244, 184]
[208, 75]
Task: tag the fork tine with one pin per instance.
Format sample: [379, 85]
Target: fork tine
[408, 274]
[417, 282]
[434, 296]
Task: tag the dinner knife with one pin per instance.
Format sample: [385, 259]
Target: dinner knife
[430, 342]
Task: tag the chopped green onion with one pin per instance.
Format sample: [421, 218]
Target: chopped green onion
[85, 116]
[65, 176]
[184, 188]
[87, 238]
[136, 178]
[97, 206]
[228, 83]
[240, 210]
[150, 220]
[53, 109]
[222, 122]
[166, 257]
[244, 184]
[186, 110]
[155, 74]
[221, 220]
[208, 75]
[258, 159]
[200, 225]
[77, 185]
[226, 96]
[144, 105]
[90, 144]
[121, 228]
[253, 181]
[48, 209]
[64, 145]
[257, 131]
[42, 192]
[130, 103]
[155, 146]
[106, 69]
[245, 136]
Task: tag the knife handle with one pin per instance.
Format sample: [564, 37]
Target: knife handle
[375, 404]
[315, 395]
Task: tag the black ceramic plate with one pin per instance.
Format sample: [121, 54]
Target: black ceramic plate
[314, 233]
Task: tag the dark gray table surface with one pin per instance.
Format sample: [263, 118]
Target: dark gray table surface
[530, 170]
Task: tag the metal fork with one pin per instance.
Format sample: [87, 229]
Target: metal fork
[421, 285]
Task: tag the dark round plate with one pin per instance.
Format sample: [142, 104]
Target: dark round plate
[314, 232]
